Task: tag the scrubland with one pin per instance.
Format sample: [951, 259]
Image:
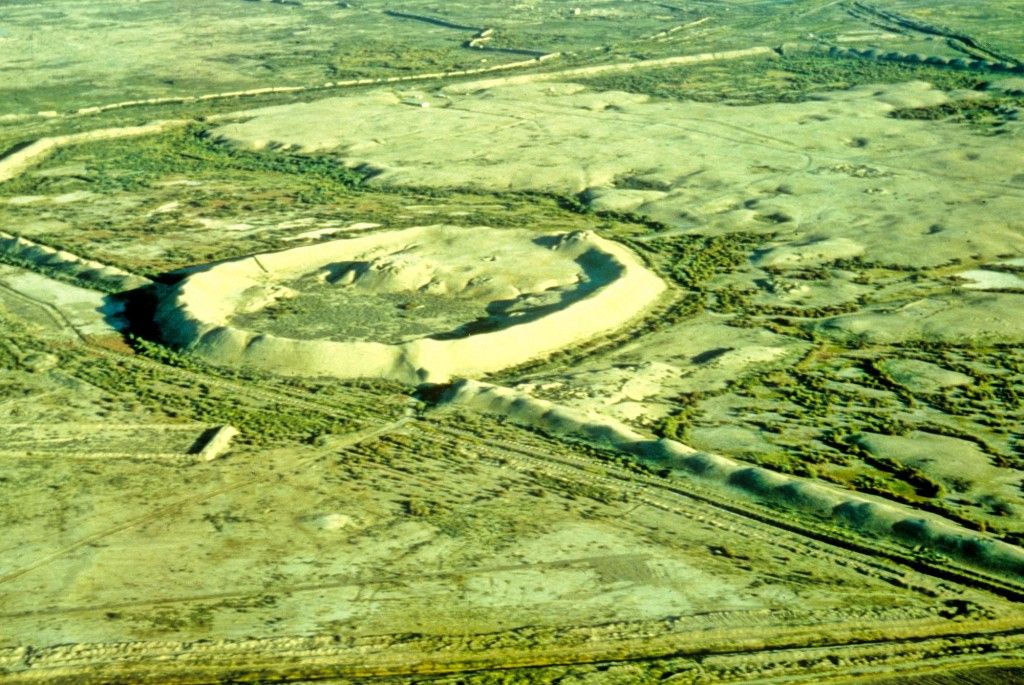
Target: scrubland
[711, 324]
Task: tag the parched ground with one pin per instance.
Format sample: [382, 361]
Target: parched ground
[840, 240]
[831, 210]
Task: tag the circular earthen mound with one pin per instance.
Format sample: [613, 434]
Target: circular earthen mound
[416, 305]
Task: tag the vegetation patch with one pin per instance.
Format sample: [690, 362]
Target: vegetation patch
[787, 78]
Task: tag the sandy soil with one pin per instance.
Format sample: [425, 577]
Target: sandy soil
[832, 177]
[862, 513]
[88, 311]
[488, 265]
[351, 531]
[331, 549]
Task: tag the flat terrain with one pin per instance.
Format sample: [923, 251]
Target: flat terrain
[761, 422]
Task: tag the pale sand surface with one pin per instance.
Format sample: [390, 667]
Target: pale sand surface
[88, 311]
[358, 522]
[475, 262]
[835, 176]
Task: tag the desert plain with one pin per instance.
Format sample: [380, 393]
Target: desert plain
[626, 342]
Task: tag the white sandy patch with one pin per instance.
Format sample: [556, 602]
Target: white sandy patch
[63, 199]
[26, 199]
[334, 521]
[76, 196]
[983, 279]
[626, 392]
[180, 182]
[167, 207]
[222, 224]
[89, 311]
